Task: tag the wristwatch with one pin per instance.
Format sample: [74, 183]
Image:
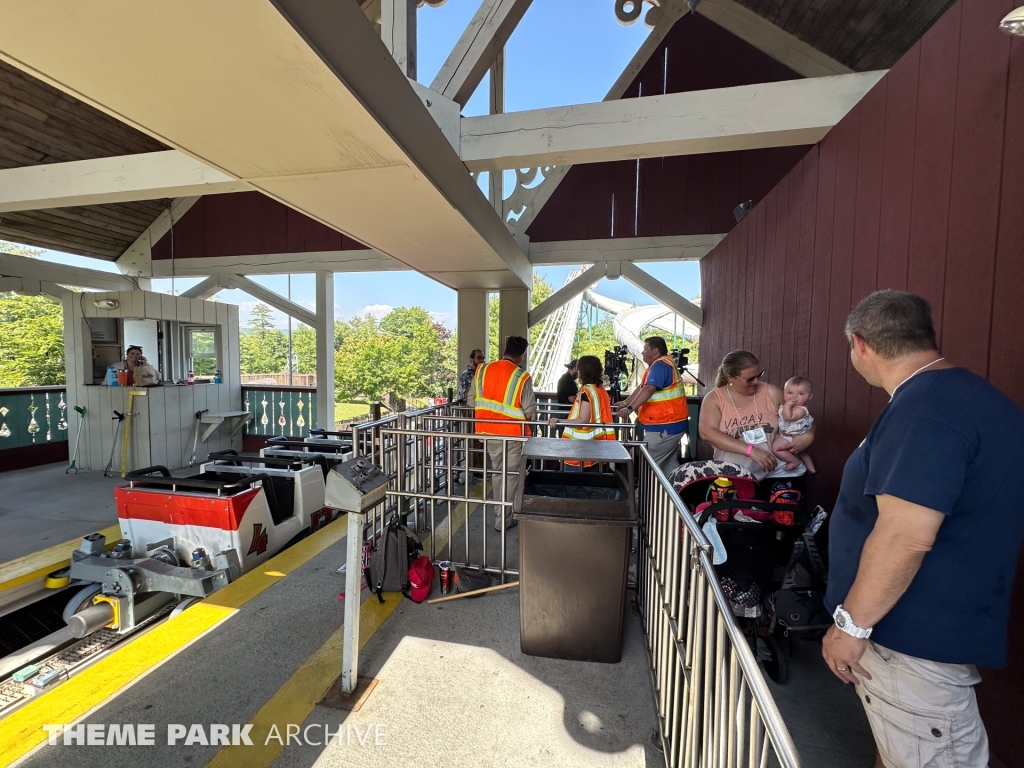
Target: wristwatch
[844, 621]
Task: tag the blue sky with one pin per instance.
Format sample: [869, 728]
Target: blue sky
[563, 52]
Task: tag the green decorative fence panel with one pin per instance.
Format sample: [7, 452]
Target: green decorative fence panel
[288, 411]
[32, 416]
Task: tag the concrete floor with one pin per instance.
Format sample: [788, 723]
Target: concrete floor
[824, 716]
[454, 685]
[41, 506]
[456, 691]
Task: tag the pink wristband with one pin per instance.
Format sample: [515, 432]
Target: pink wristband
[750, 447]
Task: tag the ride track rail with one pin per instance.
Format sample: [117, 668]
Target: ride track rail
[72, 659]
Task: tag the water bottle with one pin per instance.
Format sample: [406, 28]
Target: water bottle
[191, 378]
[217, 378]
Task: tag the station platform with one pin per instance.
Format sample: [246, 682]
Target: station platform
[452, 687]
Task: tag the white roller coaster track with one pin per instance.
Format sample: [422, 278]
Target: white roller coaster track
[554, 345]
[558, 332]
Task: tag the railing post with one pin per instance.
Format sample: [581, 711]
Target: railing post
[353, 591]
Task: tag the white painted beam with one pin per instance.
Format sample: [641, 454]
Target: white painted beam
[551, 304]
[267, 296]
[211, 286]
[280, 264]
[782, 114]
[770, 39]
[37, 269]
[532, 200]
[347, 142]
[635, 249]
[28, 287]
[138, 257]
[662, 293]
[497, 106]
[324, 325]
[478, 47]
[146, 176]
[398, 31]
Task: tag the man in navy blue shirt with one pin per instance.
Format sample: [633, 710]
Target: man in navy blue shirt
[924, 540]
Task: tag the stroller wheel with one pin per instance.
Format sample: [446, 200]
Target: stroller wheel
[776, 663]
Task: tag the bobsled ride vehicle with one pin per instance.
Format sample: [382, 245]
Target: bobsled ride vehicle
[335, 447]
[183, 538]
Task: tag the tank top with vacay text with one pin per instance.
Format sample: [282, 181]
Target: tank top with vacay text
[759, 412]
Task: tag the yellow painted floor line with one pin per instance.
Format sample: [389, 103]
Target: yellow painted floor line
[24, 569]
[22, 730]
[297, 697]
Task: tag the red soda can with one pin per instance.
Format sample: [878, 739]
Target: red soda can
[445, 567]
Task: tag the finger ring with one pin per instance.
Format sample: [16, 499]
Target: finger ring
[842, 669]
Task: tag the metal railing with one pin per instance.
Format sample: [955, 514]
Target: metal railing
[33, 416]
[714, 706]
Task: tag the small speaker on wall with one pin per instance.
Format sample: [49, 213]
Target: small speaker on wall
[742, 210]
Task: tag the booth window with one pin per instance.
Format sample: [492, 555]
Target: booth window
[202, 349]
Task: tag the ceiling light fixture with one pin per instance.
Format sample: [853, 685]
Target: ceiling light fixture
[1013, 22]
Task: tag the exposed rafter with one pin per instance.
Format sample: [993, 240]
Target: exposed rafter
[276, 300]
[637, 249]
[478, 47]
[662, 293]
[211, 286]
[348, 142]
[148, 176]
[770, 39]
[47, 271]
[573, 288]
[781, 114]
[31, 287]
[279, 264]
[531, 200]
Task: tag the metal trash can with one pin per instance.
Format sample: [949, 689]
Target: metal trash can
[575, 533]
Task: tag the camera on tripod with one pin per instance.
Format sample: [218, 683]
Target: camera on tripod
[616, 367]
[682, 359]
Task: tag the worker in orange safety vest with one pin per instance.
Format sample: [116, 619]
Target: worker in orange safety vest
[503, 401]
[660, 405]
[592, 409]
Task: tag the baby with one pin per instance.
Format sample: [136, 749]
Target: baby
[794, 419]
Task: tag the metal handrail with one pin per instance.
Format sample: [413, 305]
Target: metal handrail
[701, 685]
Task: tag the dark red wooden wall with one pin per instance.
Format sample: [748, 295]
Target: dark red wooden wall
[920, 188]
[689, 195]
[247, 224]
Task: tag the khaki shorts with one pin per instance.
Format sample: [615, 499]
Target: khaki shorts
[923, 714]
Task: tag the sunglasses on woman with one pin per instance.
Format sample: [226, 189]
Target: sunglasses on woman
[755, 376]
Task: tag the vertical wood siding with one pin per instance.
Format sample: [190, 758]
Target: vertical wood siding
[247, 224]
[918, 188]
[689, 195]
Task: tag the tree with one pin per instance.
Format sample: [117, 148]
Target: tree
[405, 354]
[31, 341]
[31, 334]
[263, 348]
[304, 345]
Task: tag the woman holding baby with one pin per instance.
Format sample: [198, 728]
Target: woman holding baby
[756, 424]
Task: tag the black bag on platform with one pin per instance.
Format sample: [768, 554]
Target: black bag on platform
[389, 566]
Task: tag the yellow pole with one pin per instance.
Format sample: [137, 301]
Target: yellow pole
[127, 428]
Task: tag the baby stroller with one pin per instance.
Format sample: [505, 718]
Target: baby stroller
[754, 547]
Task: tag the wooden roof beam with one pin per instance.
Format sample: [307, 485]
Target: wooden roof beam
[478, 47]
[786, 113]
[770, 39]
[636, 249]
[37, 269]
[276, 300]
[660, 292]
[148, 176]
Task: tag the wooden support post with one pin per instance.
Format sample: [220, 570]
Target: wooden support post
[325, 350]
[398, 31]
